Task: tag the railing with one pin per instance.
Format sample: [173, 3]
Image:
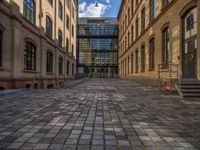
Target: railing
[179, 77]
[171, 72]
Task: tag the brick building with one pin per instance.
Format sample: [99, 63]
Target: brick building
[159, 39]
[37, 43]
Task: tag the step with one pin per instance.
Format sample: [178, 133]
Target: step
[191, 94]
[190, 86]
[190, 83]
[190, 91]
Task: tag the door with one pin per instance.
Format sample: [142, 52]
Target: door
[190, 59]
[189, 54]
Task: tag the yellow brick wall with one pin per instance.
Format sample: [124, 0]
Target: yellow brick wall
[170, 14]
[16, 30]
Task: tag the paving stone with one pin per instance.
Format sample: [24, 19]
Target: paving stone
[99, 114]
[55, 147]
[41, 146]
[15, 145]
[69, 147]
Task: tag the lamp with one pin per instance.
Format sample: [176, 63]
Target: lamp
[96, 4]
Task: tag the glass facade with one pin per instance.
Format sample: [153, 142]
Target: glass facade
[98, 50]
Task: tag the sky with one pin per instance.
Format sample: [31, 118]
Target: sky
[106, 8]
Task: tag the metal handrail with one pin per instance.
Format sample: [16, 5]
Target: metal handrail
[179, 76]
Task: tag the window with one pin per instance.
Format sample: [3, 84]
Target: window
[51, 2]
[129, 38]
[143, 58]
[126, 42]
[136, 61]
[152, 9]
[125, 66]
[72, 69]
[165, 46]
[72, 30]
[67, 67]
[132, 34]
[29, 10]
[48, 27]
[67, 22]
[67, 45]
[72, 49]
[132, 9]
[49, 62]
[151, 53]
[190, 22]
[132, 63]
[60, 10]
[129, 16]
[136, 2]
[30, 56]
[136, 27]
[60, 67]
[59, 38]
[165, 2]
[143, 19]
[1, 41]
[73, 12]
[128, 64]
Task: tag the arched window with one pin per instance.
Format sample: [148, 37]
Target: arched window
[143, 17]
[29, 10]
[60, 67]
[67, 45]
[143, 58]
[132, 63]
[49, 62]
[60, 10]
[165, 46]
[136, 62]
[73, 69]
[59, 38]
[48, 27]
[152, 9]
[151, 54]
[67, 22]
[136, 27]
[68, 67]
[1, 41]
[30, 56]
[72, 49]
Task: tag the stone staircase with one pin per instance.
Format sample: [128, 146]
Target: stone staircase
[188, 88]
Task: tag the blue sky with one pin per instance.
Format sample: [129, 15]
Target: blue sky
[106, 8]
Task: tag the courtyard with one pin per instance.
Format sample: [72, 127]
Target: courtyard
[99, 114]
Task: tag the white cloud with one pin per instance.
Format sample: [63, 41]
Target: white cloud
[89, 10]
[108, 1]
[82, 6]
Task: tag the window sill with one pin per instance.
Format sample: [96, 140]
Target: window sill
[50, 73]
[165, 67]
[30, 23]
[49, 38]
[152, 69]
[30, 71]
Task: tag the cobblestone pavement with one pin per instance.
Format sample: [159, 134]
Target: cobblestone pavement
[99, 114]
